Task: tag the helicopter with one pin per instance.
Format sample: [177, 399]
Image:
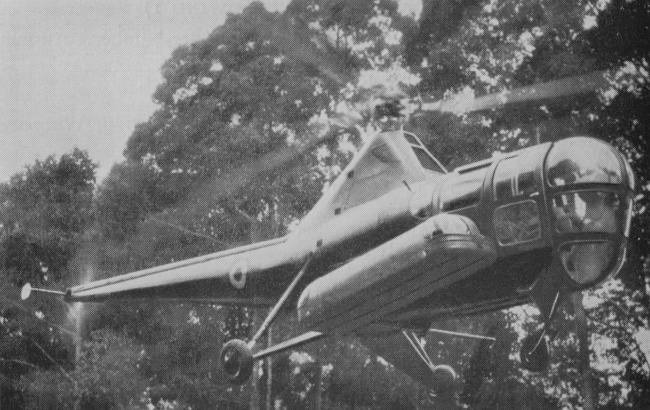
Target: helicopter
[398, 241]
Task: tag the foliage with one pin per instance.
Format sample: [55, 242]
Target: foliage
[45, 210]
[228, 102]
[44, 213]
[105, 377]
[497, 46]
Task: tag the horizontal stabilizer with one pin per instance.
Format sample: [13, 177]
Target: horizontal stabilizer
[289, 344]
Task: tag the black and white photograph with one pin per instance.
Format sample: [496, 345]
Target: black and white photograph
[324, 204]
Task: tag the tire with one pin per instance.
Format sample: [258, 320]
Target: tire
[445, 377]
[237, 361]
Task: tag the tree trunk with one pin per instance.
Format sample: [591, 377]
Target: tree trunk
[254, 400]
[584, 364]
[255, 236]
[318, 386]
[269, 370]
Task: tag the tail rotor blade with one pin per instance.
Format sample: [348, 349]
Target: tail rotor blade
[27, 290]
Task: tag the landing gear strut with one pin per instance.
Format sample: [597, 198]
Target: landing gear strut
[237, 356]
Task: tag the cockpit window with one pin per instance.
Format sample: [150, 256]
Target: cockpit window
[514, 176]
[517, 223]
[589, 211]
[579, 160]
[426, 160]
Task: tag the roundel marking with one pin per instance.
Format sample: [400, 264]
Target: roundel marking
[238, 273]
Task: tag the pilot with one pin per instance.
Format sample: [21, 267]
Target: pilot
[564, 172]
[600, 213]
[586, 211]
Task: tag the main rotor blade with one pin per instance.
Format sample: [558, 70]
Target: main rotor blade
[552, 90]
[299, 43]
[230, 183]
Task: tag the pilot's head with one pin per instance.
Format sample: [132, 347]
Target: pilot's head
[586, 211]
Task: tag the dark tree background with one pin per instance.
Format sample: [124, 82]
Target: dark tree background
[204, 174]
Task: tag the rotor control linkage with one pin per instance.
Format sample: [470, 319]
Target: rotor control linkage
[276, 309]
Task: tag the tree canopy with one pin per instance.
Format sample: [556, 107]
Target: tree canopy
[247, 134]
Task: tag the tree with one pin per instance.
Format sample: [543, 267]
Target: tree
[487, 47]
[44, 213]
[45, 210]
[105, 377]
[231, 101]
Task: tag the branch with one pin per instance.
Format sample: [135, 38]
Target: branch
[185, 230]
[50, 358]
[19, 362]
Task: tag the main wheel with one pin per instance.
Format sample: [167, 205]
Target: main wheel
[442, 395]
[237, 361]
[534, 352]
[445, 378]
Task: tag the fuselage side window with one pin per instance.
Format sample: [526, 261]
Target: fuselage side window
[517, 223]
[426, 161]
[514, 176]
[424, 157]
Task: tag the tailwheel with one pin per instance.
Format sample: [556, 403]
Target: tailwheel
[237, 361]
[236, 356]
[534, 352]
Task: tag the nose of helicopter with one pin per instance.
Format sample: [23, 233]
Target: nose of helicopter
[586, 262]
[590, 188]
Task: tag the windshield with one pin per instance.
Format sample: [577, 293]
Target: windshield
[578, 160]
[589, 211]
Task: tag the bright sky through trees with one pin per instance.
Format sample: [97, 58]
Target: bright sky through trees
[81, 73]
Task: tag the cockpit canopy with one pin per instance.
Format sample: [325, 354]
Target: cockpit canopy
[590, 200]
[583, 160]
